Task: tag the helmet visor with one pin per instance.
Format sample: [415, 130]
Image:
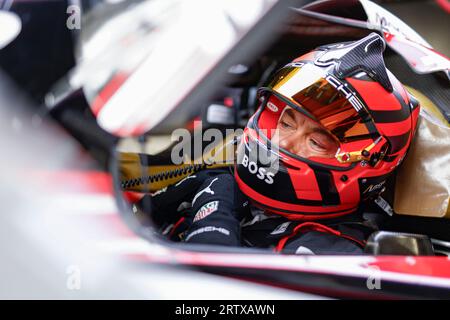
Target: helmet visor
[316, 116]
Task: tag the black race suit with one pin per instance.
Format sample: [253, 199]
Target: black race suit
[208, 208]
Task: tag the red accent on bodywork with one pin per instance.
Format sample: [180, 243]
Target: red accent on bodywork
[428, 266]
[435, 267]
[444, 4]
[108, 91]
[133, 197]
[76, 181]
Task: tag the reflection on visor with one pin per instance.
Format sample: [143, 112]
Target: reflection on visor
[344, 131]
[308, 88]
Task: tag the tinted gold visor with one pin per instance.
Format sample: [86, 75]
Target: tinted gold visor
[326, 100]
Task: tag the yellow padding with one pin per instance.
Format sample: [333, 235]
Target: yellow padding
[221, 155]
[429, 106]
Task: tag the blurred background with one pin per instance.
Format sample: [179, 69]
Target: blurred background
[55, 169]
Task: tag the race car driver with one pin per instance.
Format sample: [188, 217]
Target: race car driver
[330, 128]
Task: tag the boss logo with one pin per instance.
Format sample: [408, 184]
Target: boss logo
[261, 173]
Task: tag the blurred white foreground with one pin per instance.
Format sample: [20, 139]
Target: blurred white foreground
[54, 241]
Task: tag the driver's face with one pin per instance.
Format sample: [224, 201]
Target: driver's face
[304, 137]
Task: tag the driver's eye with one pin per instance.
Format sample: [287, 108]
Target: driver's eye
[322, 144]
[287, 125]
[316, 144]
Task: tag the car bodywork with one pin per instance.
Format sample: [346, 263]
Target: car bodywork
[368, 276]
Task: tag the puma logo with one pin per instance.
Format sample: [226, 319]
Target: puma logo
[206, 190]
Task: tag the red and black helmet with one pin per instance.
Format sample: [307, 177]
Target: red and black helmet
[349, 97]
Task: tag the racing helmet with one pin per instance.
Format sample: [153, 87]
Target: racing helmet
[356, 123]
